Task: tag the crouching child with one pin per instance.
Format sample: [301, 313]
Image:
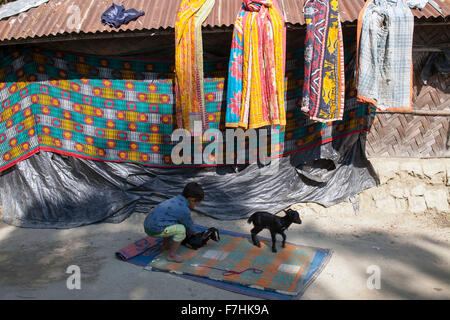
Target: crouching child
[171, 220]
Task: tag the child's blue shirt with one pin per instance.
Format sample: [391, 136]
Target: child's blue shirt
[169, 212]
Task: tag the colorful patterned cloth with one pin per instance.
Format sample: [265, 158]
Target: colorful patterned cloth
[143, 251]
[234, 259]
[122, 109]
[139, 247]
[190, 102]
[255, 96]
[385, 69]
[324, 85]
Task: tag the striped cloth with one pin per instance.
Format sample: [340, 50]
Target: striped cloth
[234, 259]
[190, 100]
[324, 85]
[255, 96]
[384, 73]
[138, 248]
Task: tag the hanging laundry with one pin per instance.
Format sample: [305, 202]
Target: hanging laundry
[255, 92]
[116, 15]
[324, 80]
[384, 72]
[190, 100]
[416, 4]
[420, 4]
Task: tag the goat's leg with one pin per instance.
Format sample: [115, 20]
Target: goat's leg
[273, 234]
[284, 239]
[254, 232]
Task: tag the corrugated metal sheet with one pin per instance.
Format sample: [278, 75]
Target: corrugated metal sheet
[82, 17]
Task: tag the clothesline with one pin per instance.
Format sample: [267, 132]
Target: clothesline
[428, 113]
[431, 49]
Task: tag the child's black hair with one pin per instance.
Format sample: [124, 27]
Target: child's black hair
[193, 190]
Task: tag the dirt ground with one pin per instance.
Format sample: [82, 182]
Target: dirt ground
[411, 252]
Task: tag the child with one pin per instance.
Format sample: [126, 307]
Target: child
[172, 219]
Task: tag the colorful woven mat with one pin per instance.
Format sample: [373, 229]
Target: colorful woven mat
[138, 251]
[117, 109]
[234, 259]
[143, 251]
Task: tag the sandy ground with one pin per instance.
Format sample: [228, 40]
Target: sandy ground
[411, 252]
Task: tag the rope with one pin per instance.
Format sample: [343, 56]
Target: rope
[228, 272]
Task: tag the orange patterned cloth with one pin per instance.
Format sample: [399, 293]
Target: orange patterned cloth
[190, 101]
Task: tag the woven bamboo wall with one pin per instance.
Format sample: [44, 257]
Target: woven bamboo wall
[425, 131]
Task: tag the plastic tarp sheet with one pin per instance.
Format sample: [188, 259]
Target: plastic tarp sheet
[19, 6]
[438, 62]
[55, 191]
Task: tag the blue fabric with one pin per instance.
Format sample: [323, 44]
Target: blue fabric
[116, 15]
[316, 264]
[148, 256]
[236, 65]
[172, 211]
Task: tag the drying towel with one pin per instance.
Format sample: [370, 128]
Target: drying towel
[255, 96]
[116, 15]
[190, 100]
[324, 81]
[385, 33]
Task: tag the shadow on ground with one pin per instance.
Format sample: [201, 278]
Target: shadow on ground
[33, 263]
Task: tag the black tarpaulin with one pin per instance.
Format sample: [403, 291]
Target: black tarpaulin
[54, 191]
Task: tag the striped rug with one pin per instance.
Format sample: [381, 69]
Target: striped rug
[235, 260]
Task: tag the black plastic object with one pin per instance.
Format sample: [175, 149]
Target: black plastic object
[54, 191]
[438, 62]
[115, 16]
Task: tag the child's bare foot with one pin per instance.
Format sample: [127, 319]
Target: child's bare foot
[176, 258]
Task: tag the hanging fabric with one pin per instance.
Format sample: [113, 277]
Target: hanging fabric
[324, 80]
[255, 91]
[385, 69]
[190, 100]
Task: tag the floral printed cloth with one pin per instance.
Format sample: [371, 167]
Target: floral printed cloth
[255, 96]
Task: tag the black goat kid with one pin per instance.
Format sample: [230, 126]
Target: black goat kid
[275, 224]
